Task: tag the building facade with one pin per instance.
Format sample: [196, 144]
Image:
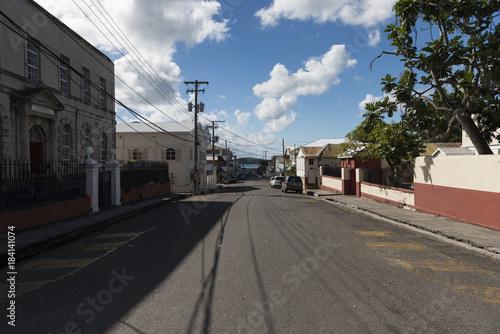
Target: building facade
[140, 142]
[56, 89]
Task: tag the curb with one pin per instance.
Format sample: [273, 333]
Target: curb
[28, 251]
[463, 242]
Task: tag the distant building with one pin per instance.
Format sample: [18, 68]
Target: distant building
[56, 89]
[140, 142]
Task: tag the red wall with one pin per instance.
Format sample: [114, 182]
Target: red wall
[473, 206]
[144, 192]
[40, 215]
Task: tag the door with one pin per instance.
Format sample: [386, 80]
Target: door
[36, 155]
[311, 175]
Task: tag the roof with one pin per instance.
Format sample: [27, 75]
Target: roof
[325, 141]
[150, 128]
[430, 148]
[453, 151]
[329, 151]
[310, 151]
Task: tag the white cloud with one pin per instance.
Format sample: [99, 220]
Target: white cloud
[373, 37]
[367, 13]
[154, 29]
[222, 96]
[242, 117]
[280, 93]
[369, 98]
[281, 123]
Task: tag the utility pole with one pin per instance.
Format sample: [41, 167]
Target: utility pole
[214, 140]
[265, 163]
[196, 110]
[227, 165]
[284, 164]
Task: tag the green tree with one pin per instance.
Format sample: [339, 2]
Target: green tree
[398, 143]
[293, 170]
[450, 50]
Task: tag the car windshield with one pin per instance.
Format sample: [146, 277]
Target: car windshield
[294, 179]
[280, 178]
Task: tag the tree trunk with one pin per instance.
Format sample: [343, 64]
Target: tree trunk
[480, 144]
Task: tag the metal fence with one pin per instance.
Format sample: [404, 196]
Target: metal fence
[332, 171]
[24, 184]
[386, 178]
[139, 173]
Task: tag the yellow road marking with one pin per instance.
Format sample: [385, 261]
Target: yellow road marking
[373, 233]
[397, 245]
[56, 263]
[439, 265]
[105, 245]
[118, 235]
[486, 293]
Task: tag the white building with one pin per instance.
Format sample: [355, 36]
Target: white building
[139, 141]
[56, 90]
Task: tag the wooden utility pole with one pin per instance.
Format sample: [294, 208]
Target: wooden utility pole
[227, 165]
[284, 164]
[196, 110]
[214, 140]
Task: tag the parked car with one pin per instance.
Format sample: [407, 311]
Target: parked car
[275, 181]
[292, 183]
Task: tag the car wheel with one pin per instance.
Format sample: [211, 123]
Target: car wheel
[284, 190]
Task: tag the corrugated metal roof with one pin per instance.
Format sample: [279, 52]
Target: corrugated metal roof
[453, 151]
[149, 128]
[325, 141]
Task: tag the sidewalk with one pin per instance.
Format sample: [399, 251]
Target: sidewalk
[475, 236]
[37, 240]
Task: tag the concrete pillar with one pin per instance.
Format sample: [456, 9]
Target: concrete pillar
[92, 184]
[114, 166]
[359, 178]
[346, 180]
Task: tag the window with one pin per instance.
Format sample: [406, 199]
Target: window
[104, 147]
[86, 140]
[33, 61]
[66, 143]
[85, 85]
[64, 74]
[170, 154]
[311, 162]
[136, 154]
[102, 92]
[36, 134]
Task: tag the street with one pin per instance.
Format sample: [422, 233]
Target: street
[251, 259]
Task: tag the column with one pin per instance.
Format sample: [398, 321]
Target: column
[346, 180]
[92, 184]
[114, 166]
[359, 179]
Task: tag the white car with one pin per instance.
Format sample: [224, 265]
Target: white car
[275, 181]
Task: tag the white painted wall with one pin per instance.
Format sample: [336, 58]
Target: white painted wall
[477, 172]
[332, 183]
[393, 195]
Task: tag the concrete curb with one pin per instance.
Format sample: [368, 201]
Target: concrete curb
[25, 252]
[490, 251]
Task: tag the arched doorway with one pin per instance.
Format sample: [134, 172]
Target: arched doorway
[37, 139]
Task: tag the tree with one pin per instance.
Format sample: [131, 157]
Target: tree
[398, 143]
[455, 72]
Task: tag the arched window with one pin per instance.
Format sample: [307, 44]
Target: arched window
[170, 154]
[66, 143]
[36, 134]
[104, 147]
[87, 139]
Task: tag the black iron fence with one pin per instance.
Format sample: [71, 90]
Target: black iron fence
[24, 184]
[139, 173]
[332, 171]
[387, 178]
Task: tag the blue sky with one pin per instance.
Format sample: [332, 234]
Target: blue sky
[292, 69]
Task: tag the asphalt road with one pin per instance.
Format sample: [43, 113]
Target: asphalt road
[251, 259]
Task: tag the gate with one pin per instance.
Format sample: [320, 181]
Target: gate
[104, 188]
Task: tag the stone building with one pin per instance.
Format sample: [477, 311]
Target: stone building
[56, 89]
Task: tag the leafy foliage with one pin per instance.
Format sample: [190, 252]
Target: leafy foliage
[450, 50]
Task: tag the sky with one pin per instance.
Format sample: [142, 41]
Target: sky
[297, 70]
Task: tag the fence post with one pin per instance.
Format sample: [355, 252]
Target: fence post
[92, 183]
[346, 180]
[114, 166]
[359, 178]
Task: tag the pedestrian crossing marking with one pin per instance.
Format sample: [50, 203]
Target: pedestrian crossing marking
[397, 245]
[118, 235]
[105, 245]
[439, 265]
[56, 263]
[373, 233]
[486, 293]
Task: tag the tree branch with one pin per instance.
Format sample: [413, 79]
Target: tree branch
[379, 56]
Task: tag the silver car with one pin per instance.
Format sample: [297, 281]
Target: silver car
[275, 181]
